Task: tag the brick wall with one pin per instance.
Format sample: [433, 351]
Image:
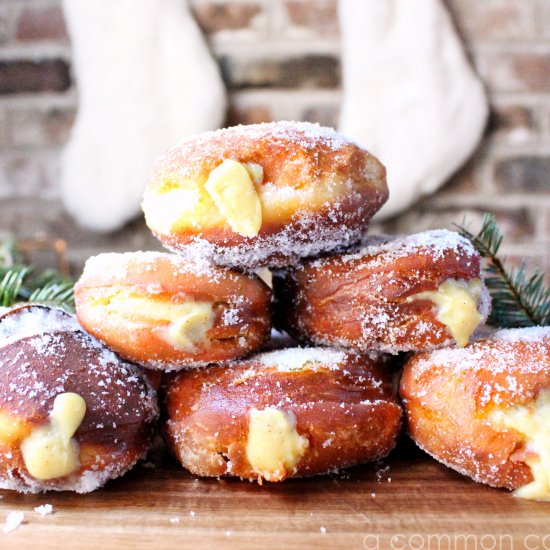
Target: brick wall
[280, 60]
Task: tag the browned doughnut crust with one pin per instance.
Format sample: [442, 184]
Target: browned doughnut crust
[319, 191]
[343, 405]
[241, 307]
[450, 394]
[363, 300]
[48, 358]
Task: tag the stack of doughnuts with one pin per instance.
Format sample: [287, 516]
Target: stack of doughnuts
[296, 199]
[227, 204]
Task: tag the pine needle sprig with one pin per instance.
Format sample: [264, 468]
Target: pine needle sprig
[20, 283]
[56, 294]
[519, 299]
[12, 283]
[53, 288]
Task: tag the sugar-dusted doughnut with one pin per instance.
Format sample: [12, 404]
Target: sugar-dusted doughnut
[72, 414]
[394, 294]
[485, 410]
[286, 413]
[264, 194]
[164, 312]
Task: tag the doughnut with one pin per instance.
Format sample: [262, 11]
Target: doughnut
[263, 195]
[164, 312]
[279, 414]
[485, 410]
[394, 294]
[72, 414]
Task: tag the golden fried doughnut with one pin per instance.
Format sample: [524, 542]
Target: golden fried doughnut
[164, 312]
[72, 414]
[286, 413]
[395, 294]
[263, 195]
[485, 410]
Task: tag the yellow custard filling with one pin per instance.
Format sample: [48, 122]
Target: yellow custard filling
[274, 447]
[231, 187]
[50, 451]
[533, 422]
[189, 322]
[236, 194]
[228, 196]
[457, 307]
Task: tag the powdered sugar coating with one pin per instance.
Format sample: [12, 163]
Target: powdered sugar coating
[536, 334]
[297, 358]
[307, 135]
[13, 521]
[364, 299]
[88, 481]
[453, 398]
[44, 509]
[514, 354]
[343, 403]
[287, 247]
[42, 366]
[115, 266]
[436, 242]
[290, 359]
[318, 192]
[28, 321]
[131, 302]
[36, 366]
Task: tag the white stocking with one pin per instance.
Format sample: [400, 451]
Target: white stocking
[145, 80]
[410, 95]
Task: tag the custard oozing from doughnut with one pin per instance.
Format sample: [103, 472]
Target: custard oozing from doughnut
[457, 307]
[231, 187]
[285, 413]
[167, 313]
[187, 322]
[72, 414]
[484, 410]
[50, 451]
[274, 447]
[532, 420]
[395, 294]
[263, 195]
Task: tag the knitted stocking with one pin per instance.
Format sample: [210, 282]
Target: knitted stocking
[410, 95]
[145, 80]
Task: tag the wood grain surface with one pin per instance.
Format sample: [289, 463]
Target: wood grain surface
[406, 502]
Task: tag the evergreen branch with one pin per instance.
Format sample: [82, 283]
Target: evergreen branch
[12, 283]
[60, 294]
[519, 299]
[19, 282]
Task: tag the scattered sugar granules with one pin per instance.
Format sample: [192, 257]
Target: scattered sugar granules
[380, 473]
[44, 509]
[13, 521]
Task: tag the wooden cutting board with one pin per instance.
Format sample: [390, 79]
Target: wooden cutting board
[406, 502]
